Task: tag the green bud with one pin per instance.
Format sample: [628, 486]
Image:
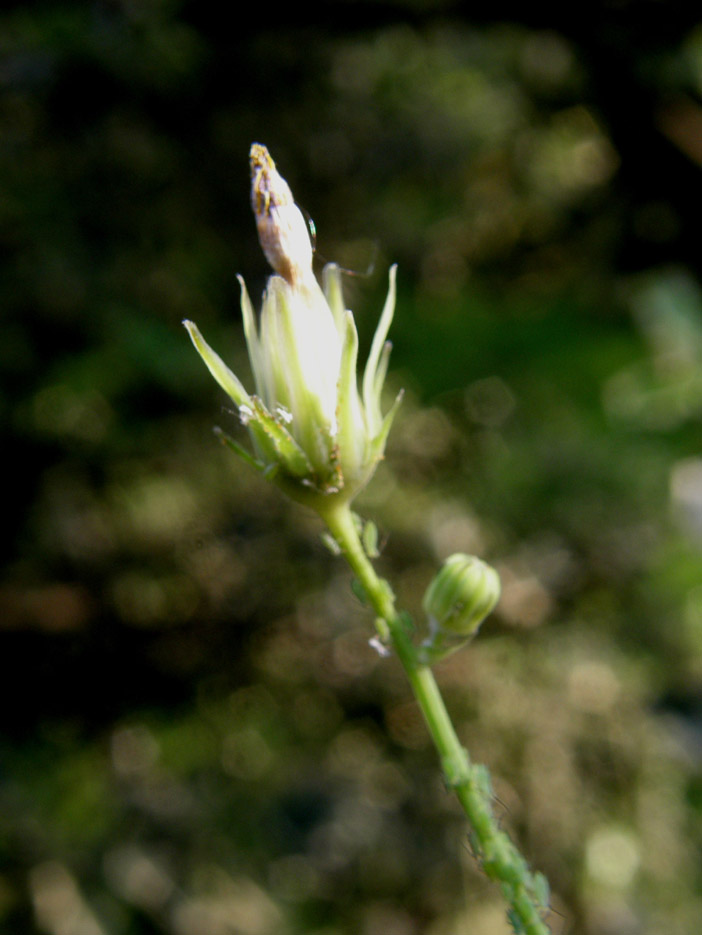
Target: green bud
[457, 601]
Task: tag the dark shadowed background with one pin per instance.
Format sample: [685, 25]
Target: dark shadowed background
[195, 737]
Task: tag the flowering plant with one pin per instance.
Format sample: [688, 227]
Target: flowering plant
[319, 439]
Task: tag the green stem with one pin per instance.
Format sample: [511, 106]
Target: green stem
[526, 893]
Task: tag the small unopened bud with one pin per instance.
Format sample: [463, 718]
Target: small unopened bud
[457, 601]
[282, 229]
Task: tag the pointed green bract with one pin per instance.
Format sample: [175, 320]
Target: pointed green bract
[251, 332]
[231, 384]
[351, 425]
[331, 280]
[371, 393]
[377, 447]
[238, 449]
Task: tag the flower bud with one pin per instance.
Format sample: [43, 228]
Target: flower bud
[315, 431]
[456, 602]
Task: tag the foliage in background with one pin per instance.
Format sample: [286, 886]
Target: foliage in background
[186, 749]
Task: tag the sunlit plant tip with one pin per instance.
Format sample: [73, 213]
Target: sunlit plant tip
[312, 431]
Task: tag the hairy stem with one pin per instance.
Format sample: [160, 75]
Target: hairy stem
[526, 893]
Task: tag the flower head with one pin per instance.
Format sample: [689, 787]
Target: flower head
[313, 432]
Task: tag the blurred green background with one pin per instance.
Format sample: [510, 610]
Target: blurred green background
[195, 737]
